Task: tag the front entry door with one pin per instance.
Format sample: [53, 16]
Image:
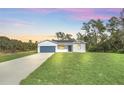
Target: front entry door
[70, 48]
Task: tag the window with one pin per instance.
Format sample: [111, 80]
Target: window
[78, 46]
[61, 47]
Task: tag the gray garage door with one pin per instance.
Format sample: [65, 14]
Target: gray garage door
[47, 49]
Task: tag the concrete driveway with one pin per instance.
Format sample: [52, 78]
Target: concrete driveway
[12, 72]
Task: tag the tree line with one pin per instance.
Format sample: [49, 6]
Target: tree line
[101, 36]
[13, 45]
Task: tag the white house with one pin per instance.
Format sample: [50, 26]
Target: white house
[61, 46]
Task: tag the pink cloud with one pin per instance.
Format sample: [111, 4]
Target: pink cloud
[66, 10]
[78, 10]
[91, 13]
[41, 10]
[14, 22]
[73, 13]
[80, 13]
[116, 10]
[88, 17]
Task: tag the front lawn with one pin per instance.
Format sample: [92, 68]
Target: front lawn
[9, 56]
[79, 68]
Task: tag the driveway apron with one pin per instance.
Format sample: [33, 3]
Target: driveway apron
[13, 71]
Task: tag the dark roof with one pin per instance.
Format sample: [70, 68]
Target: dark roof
[67, 41]
[46, 40]
[63, 41]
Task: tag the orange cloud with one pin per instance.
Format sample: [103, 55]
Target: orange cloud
[34, 38]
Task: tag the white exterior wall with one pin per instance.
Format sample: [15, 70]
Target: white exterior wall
[38, 49]
[79, 47]
[65, 49]
[75, 47]
[62, 50]
[83, 47]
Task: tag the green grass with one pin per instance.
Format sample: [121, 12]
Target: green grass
[79, 68]
[9, 56]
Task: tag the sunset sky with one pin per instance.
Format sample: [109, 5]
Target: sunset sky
[42, 23]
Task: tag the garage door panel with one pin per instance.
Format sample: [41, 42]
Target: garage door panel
[47, 48]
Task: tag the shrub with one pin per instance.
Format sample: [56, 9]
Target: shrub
[120, 51]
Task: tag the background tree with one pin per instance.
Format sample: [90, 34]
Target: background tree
[68, 37]
[80, 37]
[101, 37]
[60, 35]
[63, 36]
[12, 45]
[94, 32]
[122, 18]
